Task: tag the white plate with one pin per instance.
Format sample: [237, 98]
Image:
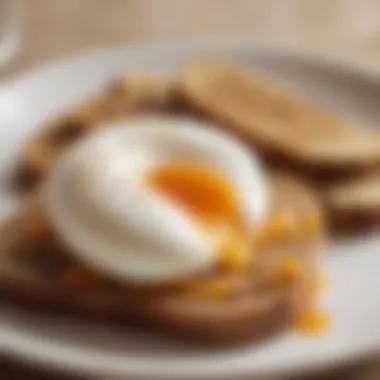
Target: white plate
[352, 297]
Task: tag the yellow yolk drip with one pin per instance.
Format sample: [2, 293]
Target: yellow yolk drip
[312, 321]
[237, 252]
[211, 198]
[282, 223]
[215, 288]
[288, 271]
[202, 191]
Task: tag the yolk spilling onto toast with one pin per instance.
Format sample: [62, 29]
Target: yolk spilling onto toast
[312, 321]
[212, 199]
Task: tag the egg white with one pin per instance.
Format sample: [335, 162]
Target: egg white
[111, 220]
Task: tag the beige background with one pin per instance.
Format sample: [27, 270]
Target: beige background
[54, 28]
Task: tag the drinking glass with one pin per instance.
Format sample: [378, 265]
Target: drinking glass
[10, 28]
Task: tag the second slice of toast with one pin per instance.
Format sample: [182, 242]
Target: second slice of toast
[282, 124]
[354, 204]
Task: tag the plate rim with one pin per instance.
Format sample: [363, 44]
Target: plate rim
[267, 47]
[355, 354]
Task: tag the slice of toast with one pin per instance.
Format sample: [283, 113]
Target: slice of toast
[282, 124]
[218, 308]
[125, 95]
[354, 205]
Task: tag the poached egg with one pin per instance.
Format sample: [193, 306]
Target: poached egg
[155, 199]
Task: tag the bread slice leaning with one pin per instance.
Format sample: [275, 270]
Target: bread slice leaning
[281, 123]
[255, 303]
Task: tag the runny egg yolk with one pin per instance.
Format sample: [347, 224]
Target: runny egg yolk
[211, 199]
[203, 192]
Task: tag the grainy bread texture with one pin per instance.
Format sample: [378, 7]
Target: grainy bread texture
[279, 122]
[258, 301]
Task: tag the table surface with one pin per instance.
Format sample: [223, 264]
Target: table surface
[54, 28]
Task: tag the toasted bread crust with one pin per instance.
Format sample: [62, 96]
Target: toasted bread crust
[353, 204]
[255, 310]
[249, 328]
[284, 126]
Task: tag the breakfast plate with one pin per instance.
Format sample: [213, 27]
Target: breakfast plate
[351, 297]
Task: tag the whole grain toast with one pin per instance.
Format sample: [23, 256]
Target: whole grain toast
[354, 204]
[216, 308]
[284, 125]
[124, 95]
